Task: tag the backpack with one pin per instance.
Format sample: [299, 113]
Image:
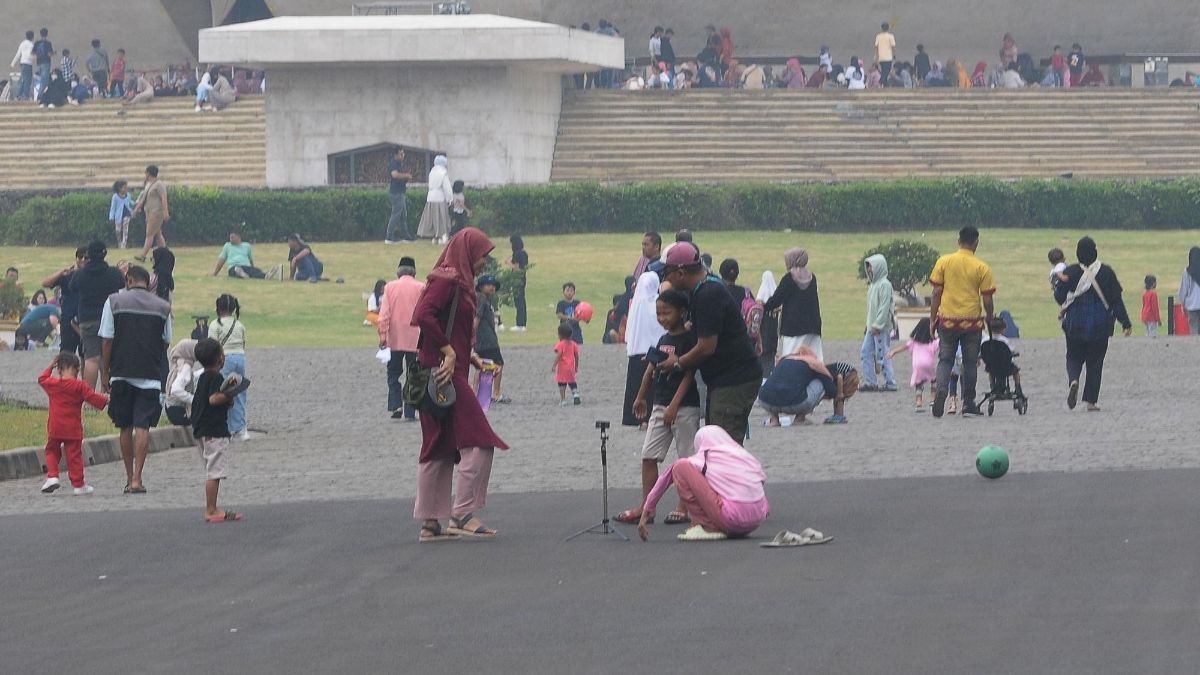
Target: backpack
[752, 314]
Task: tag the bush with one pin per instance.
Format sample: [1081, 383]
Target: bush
[204, 215]
[12, 300]
[909, 264]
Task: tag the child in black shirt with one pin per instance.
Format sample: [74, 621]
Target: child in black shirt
[675, 416]
[210, 426]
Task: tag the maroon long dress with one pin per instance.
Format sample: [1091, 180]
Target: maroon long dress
[464, 424]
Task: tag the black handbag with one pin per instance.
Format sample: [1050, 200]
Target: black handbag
[420, 387]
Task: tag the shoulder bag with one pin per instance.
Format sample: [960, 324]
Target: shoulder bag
[420, 387]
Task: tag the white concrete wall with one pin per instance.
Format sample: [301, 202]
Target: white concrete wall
[497, 125]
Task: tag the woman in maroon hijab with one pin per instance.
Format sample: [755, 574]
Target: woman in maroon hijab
[459, 434]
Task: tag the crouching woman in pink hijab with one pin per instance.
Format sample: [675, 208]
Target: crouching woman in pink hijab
[722, 486]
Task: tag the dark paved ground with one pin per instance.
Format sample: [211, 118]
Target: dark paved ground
[1065, 573]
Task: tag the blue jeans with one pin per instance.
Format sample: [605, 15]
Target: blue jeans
[236, 363]
[395, 370]
[25, 92]
[874, 350]
[309, 269]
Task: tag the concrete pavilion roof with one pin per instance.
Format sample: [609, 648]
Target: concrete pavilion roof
[412, 40]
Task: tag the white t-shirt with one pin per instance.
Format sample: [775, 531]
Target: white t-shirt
[855, 78]
[655, 48]
[885, 43]
[372, 303]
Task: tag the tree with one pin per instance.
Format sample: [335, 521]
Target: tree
[909, 265]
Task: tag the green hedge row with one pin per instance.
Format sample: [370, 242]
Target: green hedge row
[205, 215]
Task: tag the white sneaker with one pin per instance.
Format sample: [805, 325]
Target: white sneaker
[517, 329]
[50, 485]
[85, 490]
[388, 241]
[198, 109]
[243, 435]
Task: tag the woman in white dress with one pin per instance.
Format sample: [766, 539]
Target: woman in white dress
[435, 220]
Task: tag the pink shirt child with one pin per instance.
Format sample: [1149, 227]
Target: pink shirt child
[568, 352]
[924, 361]
[734, 474]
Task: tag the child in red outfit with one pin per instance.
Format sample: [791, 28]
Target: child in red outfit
[566, 364]
[1151, 317]
[64, 425]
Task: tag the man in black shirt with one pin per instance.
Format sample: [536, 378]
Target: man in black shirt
[723, 354]
[398, 193]
[69, 302]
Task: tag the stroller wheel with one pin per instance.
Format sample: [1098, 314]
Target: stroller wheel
[1023, 407]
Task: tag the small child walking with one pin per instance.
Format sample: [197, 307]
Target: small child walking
[674, 417]
[120, 210]
[230, 334]
[459, 213]
[210, 427]
[64, 424]
[922, 346]
[566, 365]
[1151, 318]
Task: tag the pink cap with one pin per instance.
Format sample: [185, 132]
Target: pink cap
[683, 254]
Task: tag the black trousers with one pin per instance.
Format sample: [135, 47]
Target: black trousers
[519, 303]
[633, 381]
[1088, 353]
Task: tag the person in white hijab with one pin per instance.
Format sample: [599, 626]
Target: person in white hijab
[202, 92]
[770, 324]
[642, 332]
[435, 219]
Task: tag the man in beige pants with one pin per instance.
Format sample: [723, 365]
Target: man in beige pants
[153, 201]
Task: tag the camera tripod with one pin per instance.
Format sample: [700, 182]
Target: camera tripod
[602, 527]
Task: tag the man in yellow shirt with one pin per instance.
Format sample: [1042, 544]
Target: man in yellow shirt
[885, 51]
[962, 301]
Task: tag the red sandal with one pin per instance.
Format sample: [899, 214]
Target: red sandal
[631, 517]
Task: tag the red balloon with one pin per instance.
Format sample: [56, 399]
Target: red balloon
[584, 311]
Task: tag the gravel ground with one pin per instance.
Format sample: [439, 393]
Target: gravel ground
[327, 435]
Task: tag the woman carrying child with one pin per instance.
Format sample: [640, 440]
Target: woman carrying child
[461, 433]
[674, 417]
[229, 332]
[922, 346]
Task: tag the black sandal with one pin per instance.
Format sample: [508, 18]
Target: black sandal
[458, 526]
[435, 534]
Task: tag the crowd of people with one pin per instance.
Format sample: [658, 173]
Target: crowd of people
[702, 350]
[718, 65]
[36, 79]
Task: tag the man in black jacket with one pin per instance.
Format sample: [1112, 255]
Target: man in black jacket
[136, 329]
[91, 285]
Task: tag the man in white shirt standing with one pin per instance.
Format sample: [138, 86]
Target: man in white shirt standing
[885, 51]
[656, 45]
[24, 58]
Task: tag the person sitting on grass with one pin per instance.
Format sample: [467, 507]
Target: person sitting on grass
[721, 485]
[675, 416]
[373, 301]
[238, 258]
[303, 262]
[210, 426]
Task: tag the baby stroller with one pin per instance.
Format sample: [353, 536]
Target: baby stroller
[1002, 372]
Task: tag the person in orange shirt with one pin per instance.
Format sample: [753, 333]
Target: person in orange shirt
[1151, 318]
[398, 334]
[64, 424]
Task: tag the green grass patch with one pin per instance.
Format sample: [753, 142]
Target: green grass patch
[279, 314]
[22, 426]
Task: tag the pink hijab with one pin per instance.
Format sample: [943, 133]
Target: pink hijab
[796, 75]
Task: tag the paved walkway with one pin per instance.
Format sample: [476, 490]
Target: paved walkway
[1081, 573]
[329, 437]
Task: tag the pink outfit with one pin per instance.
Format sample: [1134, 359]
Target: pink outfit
[396, 313]
[924, 361]
[568, 352]
[722, 485]
[434, 479]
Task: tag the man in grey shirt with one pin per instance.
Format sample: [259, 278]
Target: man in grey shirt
[97, 63]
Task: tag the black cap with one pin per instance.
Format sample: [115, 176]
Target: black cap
[407, 261]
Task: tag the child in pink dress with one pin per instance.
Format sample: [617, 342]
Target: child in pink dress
[566, 365]
[923, 347]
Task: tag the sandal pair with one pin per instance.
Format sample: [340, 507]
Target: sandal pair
[787, 539]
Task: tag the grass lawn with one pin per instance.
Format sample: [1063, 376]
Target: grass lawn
[300, 314]
[22, 426]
